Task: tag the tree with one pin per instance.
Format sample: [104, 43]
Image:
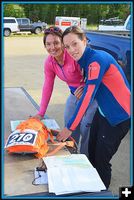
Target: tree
[48, 12]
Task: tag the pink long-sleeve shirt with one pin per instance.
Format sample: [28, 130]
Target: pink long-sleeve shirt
[69, 73]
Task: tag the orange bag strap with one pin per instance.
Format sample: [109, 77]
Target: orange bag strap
[70, 143]
[60, 146]
[51, 136]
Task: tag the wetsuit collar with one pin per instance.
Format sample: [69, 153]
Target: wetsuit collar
[83, 60]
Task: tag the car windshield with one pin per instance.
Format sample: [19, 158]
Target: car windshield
[128, 24]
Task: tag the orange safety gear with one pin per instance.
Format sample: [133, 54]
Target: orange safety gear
[31, 136]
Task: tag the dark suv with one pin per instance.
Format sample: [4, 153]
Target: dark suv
[26, 25]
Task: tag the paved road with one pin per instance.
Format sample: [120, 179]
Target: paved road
[24, 57]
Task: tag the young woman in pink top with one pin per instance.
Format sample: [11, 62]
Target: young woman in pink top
[60, 63]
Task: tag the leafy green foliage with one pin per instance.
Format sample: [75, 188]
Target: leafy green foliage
[48, 12]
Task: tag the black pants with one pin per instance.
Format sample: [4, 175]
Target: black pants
[103, 143]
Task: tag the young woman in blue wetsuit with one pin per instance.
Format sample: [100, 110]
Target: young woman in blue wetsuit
[107, 83]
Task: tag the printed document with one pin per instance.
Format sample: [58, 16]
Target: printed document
[72, 173]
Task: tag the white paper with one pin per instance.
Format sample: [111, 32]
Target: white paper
[72, 173]
[49, 123]
[64, 160]
[40, 177]
[14, 124]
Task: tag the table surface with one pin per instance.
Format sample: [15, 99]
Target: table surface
[19, 169]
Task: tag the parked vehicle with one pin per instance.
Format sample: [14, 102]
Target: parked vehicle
[10, 26]
[65, 22]
[118, 46]
[112, 21]
[115, 24]
[26, 25]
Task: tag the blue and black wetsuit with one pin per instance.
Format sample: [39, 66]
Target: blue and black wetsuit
[107, 83]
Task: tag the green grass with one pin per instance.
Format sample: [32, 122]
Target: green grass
[92, 27]
[26, 35]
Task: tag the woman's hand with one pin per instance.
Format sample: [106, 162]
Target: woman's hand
[79, 91]
[37, 117]
[64, 134]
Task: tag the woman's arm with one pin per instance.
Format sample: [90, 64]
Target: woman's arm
[49, 77]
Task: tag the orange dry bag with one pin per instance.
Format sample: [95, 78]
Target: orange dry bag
[29, 136]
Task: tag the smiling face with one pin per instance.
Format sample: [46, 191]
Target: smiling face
[74, 45]
[54, 45]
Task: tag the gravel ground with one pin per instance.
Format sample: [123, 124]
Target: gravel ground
[23, 67]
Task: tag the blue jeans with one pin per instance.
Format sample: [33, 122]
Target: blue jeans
[82, 132]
